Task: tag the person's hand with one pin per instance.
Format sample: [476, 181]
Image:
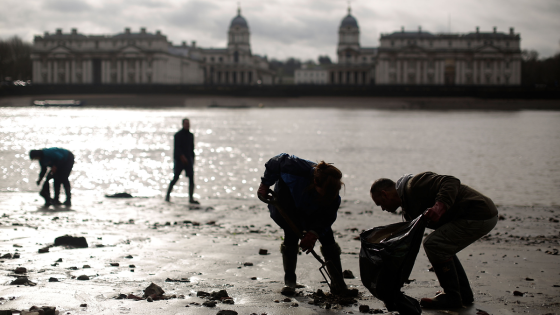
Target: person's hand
[308, 241]
[38, 182]
[434, 213]
[262, 192]
[184, 159]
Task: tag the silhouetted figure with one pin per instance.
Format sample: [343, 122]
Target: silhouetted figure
[183, 158]
[60, 162]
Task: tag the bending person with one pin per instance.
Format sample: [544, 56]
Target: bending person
[61, 162]
[459, 215]
[309, 194]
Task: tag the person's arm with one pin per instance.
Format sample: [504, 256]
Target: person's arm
[42, 173]
[446, 188]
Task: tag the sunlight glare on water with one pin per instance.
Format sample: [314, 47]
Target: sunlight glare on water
[513, 157]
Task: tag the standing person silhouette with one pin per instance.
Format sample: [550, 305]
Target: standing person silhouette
[61, 162]
[183, 159]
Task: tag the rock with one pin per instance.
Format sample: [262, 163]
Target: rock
[287, 300]
[73, 268]
[501, 217]
[276, 301]
[59, 260]
[86, 267]
[228, 300]
[517, 293]
[16, 255]
[131, 266]
[218, 295]
[294, 305]
[119, 195]
[83, 305]
[153, 290]
[149, 299]
[49, 310]
[7, 256]
[226, 312]
[209, 303]
[71, 241]
[553, 220]
[376, 311]
[129, 257]
[248, 264]
[263, 251]
[114, 264]
[347, 274]
[364, 308]
[202, 294]
[83, 277]
[288, 291]
[51, 279]
[19, 280]
[43, 250]
[253, 278]
[20, 270]
[120, 296]
[529, 279]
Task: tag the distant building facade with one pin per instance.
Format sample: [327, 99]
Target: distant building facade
[317, 75]
[146, 58]
[423, 58]
[477, 58]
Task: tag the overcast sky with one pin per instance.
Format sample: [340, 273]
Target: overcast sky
[279, 29]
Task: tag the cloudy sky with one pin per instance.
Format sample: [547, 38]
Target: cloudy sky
[279, 29]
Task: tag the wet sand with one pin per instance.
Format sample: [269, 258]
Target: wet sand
[209, 244]
[195, 101]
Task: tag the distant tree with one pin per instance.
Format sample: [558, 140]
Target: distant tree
[15, 59]
[536, 71]
[325, 60]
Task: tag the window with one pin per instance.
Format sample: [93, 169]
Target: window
[507, 64]
[236, 57]
[212, 59]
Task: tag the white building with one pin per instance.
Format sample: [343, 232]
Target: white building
[311, 75]
[145, 58]
[477, 58]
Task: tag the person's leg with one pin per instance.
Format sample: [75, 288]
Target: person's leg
[441, 247]
[46, 192]
[65, 181]
[190, 174]
[331, 251]
[464, 286]
[290, 250]
[56, 185]
[177, 169]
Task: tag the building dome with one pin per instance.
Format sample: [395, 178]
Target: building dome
[239, 20]
[349, 20]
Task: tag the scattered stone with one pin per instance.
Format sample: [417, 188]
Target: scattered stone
[202, 294]
[287, 300]
[59, 260]
[517, 293]
[131, 266]
[153, 290]
[276, 301]
[209, 303]
[52, 279]
[17, 246]
[43, 310]
[177, 280]
[120, 296]
[43, 250]
[73, 268]
[226, 312]
[149, 299]
[20, 270]
[347, 274]
[119, 195]
[288, 291]
[228, 300]
[211, 223]
[554, 251]
[7, 256]
[86, 267]
[114, 264]
[23, 281]
[501, 217]
[364, 308]
[83, 277]
[253, 278]
[83, 305]
[129, 257]
[218, 295]
[16, 255]
[134, 297]
[248, 264]
[553, 220]
[328, 300]
[263, 251]
[376, 311]
[529, 279]
[294, 305]
[71, 241]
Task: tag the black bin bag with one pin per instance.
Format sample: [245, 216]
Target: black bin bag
[386, 260]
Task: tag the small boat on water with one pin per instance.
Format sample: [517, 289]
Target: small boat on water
[60, 103]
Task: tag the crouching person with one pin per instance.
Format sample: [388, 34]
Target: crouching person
[308, 193]
[459, 216]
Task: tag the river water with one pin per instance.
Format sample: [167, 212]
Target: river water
[511, 156]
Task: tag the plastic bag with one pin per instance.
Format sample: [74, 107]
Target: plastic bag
[386, 260]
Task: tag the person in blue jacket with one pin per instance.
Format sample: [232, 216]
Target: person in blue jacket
[309, 194]
[61, 162]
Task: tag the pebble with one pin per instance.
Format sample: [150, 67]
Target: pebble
[43, 250]
[83, 277]
[209, 303]
[149, 299]
[51, 279]
[20, 270]
[83, 305]
[247, 264]
[114, 264]
[347, 274]
[129, 257]
[226, 312]
[86, 267]
[263, 251]
[364, 308]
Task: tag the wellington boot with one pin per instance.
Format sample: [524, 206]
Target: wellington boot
[289, 261]
[467, 295]
[449, 281]
[332, 253]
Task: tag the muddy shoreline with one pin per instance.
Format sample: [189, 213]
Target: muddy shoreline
[210, 245]
[388, 103]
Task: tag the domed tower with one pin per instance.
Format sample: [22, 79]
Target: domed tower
[348, 38]
[238, 37]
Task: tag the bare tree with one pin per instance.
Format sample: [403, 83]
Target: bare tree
[15, 59]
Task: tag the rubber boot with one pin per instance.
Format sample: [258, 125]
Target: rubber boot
[332, 253]
[467, 295]
[46, 193]
[289, 260]
[449, 281]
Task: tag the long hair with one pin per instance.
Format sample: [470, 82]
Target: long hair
[328, 178]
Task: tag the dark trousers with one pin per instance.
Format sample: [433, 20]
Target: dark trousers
[178, 168]
[61, 177]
